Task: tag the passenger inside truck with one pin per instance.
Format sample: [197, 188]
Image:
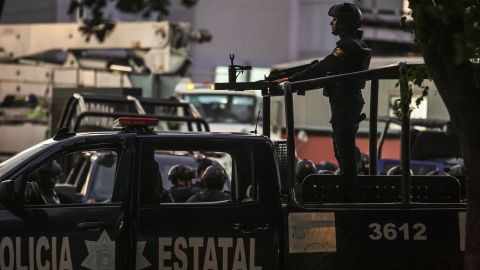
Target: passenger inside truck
[41, 190]
[232, 182]
[88, 176]
[213, 180]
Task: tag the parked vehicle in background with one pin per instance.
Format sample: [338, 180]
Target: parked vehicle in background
[18, 130]
[226, 111]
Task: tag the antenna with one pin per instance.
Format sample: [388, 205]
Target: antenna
[256, 124]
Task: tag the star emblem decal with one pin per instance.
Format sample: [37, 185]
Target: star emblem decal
[101, 254]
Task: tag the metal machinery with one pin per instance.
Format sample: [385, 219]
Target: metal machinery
[37, 58]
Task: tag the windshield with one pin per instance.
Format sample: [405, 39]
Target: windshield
[20, 157]
[232, 109]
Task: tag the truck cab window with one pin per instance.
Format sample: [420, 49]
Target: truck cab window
[225, 108]
[186, 176]
[78, 177]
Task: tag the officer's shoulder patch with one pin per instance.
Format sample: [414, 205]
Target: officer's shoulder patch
[338, 53]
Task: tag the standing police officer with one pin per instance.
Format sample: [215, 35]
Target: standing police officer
[346, 101]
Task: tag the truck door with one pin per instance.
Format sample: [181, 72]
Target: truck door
[76, 225]
[233, 232]
[377, 232]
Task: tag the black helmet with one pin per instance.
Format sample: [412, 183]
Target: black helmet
[180, 172]
[348, 15]
[326, 172]
[396, 170]
[214, 177]
[203, 165]
[436, 173]
[457, 171]
[50, 170]
[46, 174]
[304, 168]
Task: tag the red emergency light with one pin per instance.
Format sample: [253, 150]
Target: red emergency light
[124, 122]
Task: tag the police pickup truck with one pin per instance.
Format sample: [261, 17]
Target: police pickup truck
[134, 226]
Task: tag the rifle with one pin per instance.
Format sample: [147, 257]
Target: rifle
[274, 89]
[287, 72]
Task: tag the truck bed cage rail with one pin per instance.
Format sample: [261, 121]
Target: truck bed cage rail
[399, 72]
[201, 124]
[134, 105]
[382, 189]
[395, 71]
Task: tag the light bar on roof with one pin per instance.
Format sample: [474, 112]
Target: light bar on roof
[135, 121]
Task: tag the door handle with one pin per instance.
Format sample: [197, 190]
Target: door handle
[249, 228]
[94, 225]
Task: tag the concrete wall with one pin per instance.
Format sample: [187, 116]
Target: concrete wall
[256, 31]
[28, 11]
[260, 32]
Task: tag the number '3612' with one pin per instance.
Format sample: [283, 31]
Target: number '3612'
[390, 231]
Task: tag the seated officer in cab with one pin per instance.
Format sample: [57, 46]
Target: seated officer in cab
[213, 178]
[46, 178]
[203, 164]
[181, 178]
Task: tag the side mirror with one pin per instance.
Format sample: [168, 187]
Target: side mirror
[7, 193]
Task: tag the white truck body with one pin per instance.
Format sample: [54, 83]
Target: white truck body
[36, 58]
[225, 111]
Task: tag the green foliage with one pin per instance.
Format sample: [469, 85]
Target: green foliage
[413, 76]
[99, 26]
[434, 20]
[452, 27]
